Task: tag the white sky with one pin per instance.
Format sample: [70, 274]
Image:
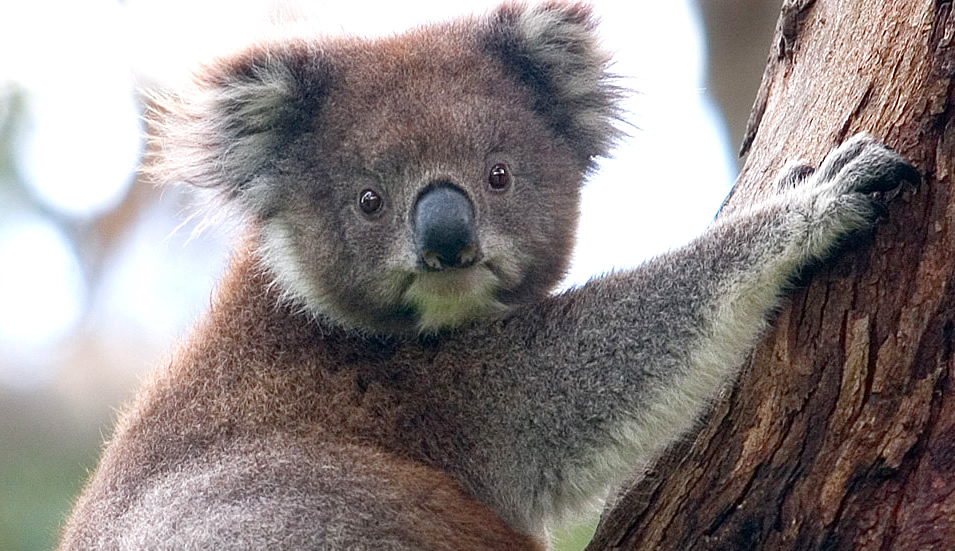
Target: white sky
[78, 62]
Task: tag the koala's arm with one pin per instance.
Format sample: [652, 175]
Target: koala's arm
[616, 369]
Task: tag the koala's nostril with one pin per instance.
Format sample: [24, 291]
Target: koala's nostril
[435, 260]
[444, 229]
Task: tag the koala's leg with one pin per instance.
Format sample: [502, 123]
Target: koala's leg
[605, 375]
[280, 493]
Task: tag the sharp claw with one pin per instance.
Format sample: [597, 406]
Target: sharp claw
[884, 171]
[908, 173]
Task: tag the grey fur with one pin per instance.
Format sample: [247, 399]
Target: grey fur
[339, 395]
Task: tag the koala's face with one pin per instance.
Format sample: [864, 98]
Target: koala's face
[411, 183]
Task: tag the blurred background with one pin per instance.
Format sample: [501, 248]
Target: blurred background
[100, 273]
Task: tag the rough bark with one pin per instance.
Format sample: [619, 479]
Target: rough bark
[840, 433]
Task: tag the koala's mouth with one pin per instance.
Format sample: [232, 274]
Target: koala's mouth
[452, 297]
[451, 284]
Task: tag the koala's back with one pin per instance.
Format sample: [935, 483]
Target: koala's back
[272, 455]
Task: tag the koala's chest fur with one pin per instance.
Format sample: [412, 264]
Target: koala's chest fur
[242, 375]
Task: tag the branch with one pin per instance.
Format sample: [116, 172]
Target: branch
[840, 433]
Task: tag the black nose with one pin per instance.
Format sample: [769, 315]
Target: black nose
[444, 228]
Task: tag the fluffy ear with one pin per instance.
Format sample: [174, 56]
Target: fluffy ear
[226, 131]
[552, 49]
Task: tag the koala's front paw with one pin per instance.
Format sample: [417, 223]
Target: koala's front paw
[864, 165]
[792, 175]
[837, 197]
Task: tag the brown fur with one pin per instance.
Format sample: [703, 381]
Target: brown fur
[254, 374]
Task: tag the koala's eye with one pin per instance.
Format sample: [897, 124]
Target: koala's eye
[500, 177]
[370, 202]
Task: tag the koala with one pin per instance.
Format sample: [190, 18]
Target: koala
[385, 364]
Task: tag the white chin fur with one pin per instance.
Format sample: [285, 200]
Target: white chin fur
[451, 298]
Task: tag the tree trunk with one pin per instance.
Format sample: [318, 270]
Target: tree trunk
[840, 433]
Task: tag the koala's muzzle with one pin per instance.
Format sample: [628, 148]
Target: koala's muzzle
[444, 230]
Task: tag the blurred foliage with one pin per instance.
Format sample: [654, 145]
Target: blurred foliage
[576, 538]
[46, 452]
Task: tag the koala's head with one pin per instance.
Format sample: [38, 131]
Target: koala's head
[409, 183]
